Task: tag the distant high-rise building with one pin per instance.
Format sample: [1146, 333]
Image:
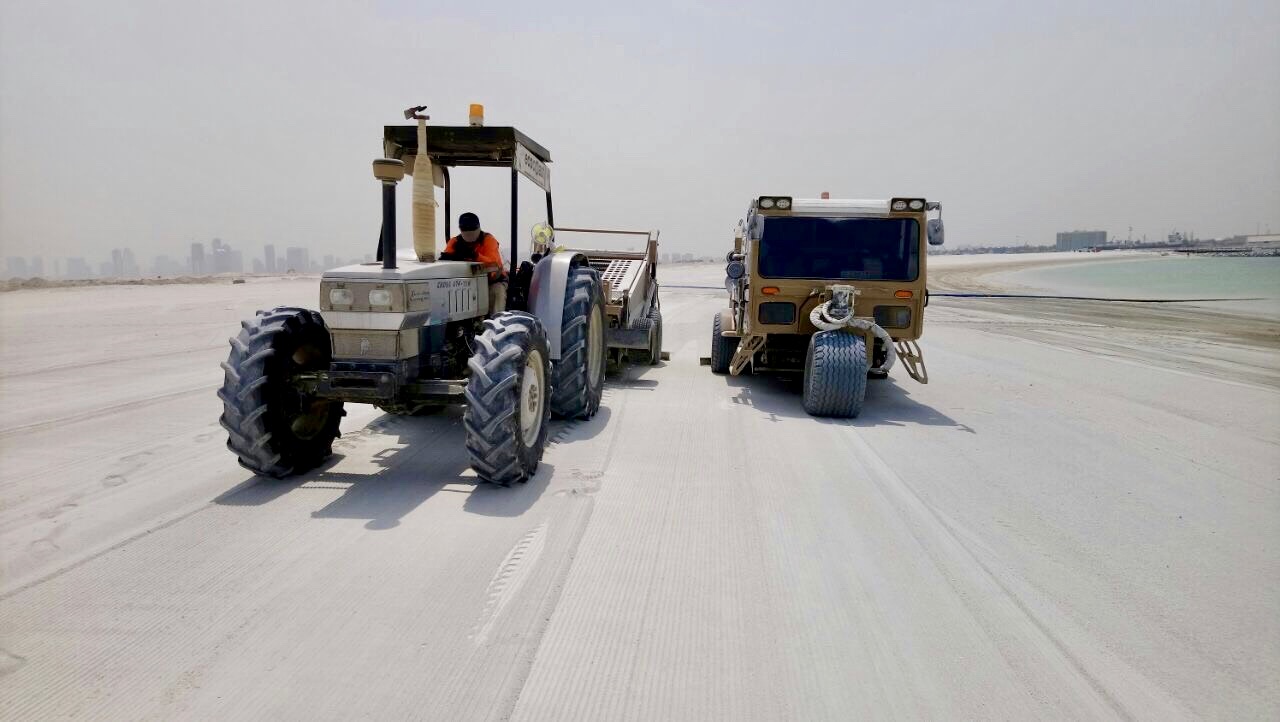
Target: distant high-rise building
[106, 269]
[269, 258]
[258, 266]
[329, 261]
[37, 266]
[197, 258]
[117, 263]
[165, 266]
[297, 260]
[224, 259]
[1077, 240]
[15, 267]
[78, 268]
[130, 262]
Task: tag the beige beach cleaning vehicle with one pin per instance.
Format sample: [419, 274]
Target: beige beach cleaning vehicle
[832, 288]
[412, 334]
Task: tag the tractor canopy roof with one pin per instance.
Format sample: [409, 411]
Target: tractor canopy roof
[462, 145]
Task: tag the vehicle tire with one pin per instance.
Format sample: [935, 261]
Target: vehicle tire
[835, 374]
[578, 377]
[722, 348]
[507, 406]
[655, 350]
[275, 429]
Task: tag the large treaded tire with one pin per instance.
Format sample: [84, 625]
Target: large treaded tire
[722, 348]
[273, 428]
[835, 374]
[577, 379]
[499, 450]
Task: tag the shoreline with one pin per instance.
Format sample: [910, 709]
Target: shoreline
[972, 273]
[1227, 339]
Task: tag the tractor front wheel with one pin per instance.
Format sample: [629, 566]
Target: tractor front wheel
[275, 428]
[508, 404]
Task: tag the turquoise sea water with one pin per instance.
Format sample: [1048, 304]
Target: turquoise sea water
[1164, 277]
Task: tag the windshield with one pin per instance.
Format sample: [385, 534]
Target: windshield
[869, 249]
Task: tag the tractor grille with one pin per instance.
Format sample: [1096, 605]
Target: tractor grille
[365, 344]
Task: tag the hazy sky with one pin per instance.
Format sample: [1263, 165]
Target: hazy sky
[152, 124]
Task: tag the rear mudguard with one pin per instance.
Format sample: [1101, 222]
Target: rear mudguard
[546, 293]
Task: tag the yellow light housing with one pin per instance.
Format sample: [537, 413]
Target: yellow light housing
[902, 294]
[476, 114]
[770, 290]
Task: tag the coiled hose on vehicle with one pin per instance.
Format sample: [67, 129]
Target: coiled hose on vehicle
[837, 313]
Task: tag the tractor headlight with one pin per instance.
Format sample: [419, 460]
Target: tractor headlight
[783, 203]
[341, 296]
[899, 205]
[380, 297]
[916, 205]
[766, 203]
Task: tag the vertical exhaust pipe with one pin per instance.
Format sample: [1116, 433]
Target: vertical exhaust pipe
[390, 172]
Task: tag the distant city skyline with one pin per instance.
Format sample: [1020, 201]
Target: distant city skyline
[218, 257]
[135, 125]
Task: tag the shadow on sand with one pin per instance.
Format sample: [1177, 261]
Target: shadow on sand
[887, 403]
[423, 456]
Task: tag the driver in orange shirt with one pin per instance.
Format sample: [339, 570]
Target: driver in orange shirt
[477, 246]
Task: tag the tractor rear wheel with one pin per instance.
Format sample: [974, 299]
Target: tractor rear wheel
[578, 377]
[722, 348]
[275, 428]
[507, 399]
[835, 374]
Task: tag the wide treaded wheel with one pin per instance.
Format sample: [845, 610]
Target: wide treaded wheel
[273, 428]
[507, 407]
[835, 374]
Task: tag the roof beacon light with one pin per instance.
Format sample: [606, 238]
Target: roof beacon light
[476, 116]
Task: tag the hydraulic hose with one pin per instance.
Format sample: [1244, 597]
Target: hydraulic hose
[821, 317]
